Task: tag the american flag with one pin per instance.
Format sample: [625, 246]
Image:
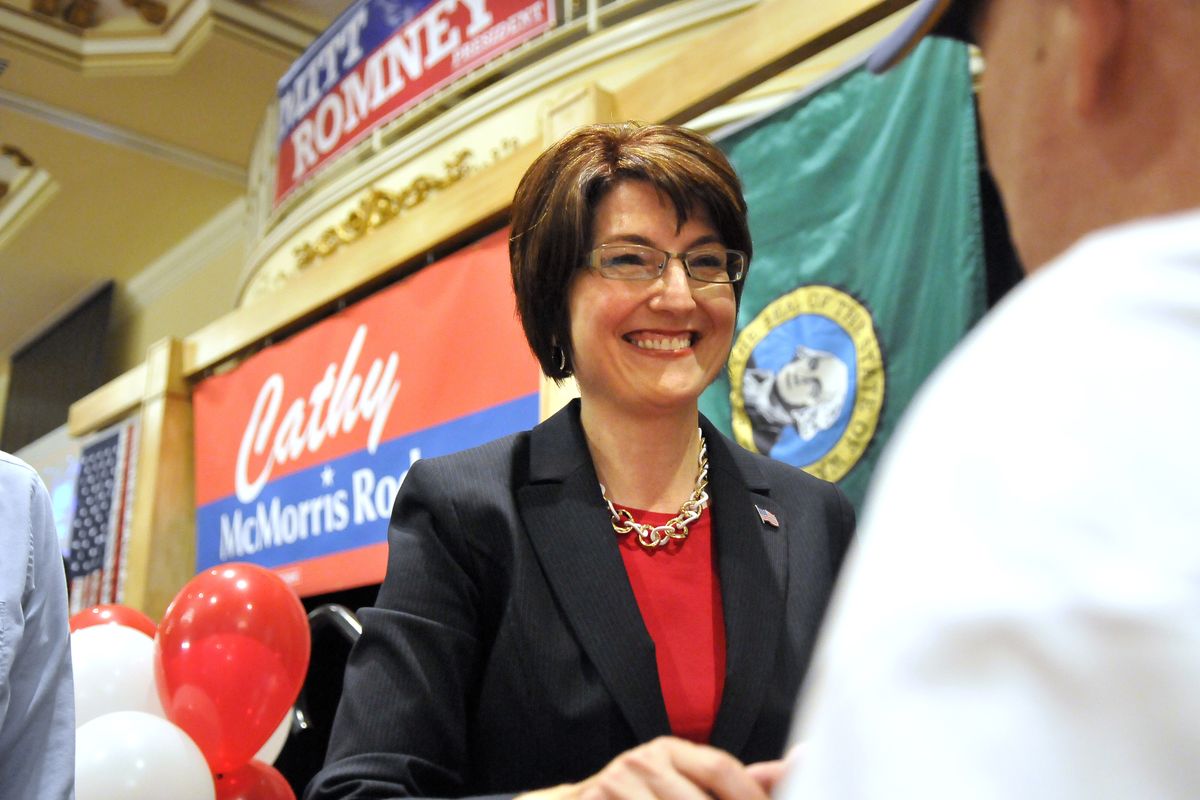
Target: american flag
[103, 517]
[767, 517]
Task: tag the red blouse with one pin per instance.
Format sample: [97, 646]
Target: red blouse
[679, 595]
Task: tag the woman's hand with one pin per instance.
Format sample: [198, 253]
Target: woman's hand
[666, 768]
[768, 774]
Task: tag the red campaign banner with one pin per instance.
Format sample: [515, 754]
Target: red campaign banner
[376, 82]
[301, 449]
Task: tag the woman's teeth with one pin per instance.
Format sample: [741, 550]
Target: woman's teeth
[670, 343]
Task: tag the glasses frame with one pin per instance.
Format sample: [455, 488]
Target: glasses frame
[595, 254]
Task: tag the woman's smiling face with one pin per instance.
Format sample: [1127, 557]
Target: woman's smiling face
[648, 344]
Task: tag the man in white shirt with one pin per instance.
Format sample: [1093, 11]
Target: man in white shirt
[37, 703]
[1020, 617]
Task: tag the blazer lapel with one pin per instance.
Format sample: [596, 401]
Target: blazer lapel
[573, 539]
[752, 564]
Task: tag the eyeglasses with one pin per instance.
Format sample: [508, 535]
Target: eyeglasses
[637, 262]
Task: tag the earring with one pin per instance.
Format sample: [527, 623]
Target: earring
[562, 358]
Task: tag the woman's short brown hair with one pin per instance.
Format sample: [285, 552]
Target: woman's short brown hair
[556, 200]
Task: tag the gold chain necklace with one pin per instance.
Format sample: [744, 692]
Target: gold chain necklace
[651, 536]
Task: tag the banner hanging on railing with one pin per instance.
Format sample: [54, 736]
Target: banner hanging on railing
[379, 58]
[301, 449]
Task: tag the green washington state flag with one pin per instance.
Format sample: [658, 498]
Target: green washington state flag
[868, 262]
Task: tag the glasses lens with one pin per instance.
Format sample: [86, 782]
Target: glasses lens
[628, 262]
[715, 266]
[635, 262]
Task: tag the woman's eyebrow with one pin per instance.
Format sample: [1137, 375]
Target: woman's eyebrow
[634, 238]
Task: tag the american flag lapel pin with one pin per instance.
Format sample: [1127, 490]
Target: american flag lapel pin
[767, 517]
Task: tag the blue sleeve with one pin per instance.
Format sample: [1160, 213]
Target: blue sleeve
[37, 704]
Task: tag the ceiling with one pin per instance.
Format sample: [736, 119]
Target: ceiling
[121, 138]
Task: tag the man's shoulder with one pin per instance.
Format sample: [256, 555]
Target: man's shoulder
[1103, 293]
[9, 462]
[1060, 359]
[15, 473]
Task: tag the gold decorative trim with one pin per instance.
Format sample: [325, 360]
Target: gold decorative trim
[375, 208]
[379, 206]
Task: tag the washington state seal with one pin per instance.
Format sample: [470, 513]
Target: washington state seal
[807, 381]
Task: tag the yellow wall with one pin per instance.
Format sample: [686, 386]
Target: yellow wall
[191, 286]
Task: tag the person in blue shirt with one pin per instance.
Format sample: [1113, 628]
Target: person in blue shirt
[37, 702]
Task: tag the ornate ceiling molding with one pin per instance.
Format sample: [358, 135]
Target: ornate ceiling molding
[121, 37]
[86, 13]
[25, 189]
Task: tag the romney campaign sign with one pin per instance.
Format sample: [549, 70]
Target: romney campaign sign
[381, 57]
[301, 448]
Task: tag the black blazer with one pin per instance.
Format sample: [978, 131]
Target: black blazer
[506, 651]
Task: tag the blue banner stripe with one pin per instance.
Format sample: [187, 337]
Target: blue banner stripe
[342, 504]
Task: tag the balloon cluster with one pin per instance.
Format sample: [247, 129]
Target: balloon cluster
[201, 702]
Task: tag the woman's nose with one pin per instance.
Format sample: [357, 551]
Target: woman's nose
[676, 286]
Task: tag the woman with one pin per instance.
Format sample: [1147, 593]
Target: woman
[620, 599]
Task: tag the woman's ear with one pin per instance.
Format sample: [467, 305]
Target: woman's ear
[1099, 40]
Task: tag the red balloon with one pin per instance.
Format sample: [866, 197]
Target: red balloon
[113, 615]
[254, 781]
[231, 654]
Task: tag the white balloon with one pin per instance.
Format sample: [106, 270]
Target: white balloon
[275, 742]
[132, 755]
[114, 671]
